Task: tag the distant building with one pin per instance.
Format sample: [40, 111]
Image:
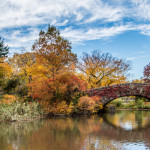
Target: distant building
[127, 99]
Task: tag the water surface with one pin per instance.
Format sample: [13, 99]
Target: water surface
[124, 130]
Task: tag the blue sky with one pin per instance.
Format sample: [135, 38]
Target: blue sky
[120, 27]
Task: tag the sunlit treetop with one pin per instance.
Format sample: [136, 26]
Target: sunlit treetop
[54, 48]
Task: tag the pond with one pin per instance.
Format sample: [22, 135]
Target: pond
[122, 130]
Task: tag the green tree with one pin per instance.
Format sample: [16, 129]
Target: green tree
[3, 49]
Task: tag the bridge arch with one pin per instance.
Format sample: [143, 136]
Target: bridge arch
[109, 93]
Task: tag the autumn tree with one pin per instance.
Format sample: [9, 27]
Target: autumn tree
[147, 73]
[22, 62]
[67, 87]
[21, 76]
[4, 67]
[137, 81]
[5, 72]
[102, 69]
[55, 49]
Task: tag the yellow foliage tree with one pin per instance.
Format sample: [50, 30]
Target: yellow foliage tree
[102, 69]
[5, 70]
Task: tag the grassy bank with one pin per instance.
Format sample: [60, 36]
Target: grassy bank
[16, 109]
[13, 108]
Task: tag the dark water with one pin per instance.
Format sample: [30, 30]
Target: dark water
[124, 130]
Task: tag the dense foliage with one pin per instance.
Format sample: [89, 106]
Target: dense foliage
[102, 69]
[138, 103]
[52, 79]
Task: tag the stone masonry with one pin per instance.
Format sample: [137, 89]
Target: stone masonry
[109, 93]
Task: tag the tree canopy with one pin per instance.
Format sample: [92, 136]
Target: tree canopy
[102, 69]
[54, 48]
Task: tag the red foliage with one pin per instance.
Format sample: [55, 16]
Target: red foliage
[113, 92]
[41, 88]
[147, 92]
[72, 81]
[64, 88]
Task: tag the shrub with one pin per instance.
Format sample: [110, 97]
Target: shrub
[18, 111]
[118, 103]
[8, 99]
[85, 105]
[89, 105]
[146, 106]
[139, 103]
[57, 108]
[61, 108]
[16, 85]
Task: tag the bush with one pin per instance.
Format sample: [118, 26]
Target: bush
[118, 103]
[8, 99]
[139, 103]
[89, 105]
[64, 108]
[18, 111]
[146, 106]
[85, 105]
[15, 85]
[58, 108]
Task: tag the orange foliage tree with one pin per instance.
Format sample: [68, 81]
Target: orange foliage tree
[67, 87]
[55, 51]
[53, 77]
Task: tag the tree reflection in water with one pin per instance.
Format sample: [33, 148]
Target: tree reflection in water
[95, 132]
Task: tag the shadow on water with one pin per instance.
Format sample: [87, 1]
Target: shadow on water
[120, 130]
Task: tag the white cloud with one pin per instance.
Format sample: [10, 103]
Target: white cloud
[135, 58]
[17, 38]
[105, 12]
[140, 52]
[141, 9]
[80, 35]
[27, 12]
[84, 14]
[144, 29]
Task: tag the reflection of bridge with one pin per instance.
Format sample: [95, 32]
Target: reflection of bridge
[113, 132]
[121, 129]
[112, 92]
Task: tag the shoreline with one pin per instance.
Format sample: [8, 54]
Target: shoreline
[132, 109]
[69, 115]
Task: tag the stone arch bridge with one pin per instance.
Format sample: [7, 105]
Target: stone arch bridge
[109, 93]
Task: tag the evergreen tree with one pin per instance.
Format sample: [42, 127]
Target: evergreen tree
[3, 49]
